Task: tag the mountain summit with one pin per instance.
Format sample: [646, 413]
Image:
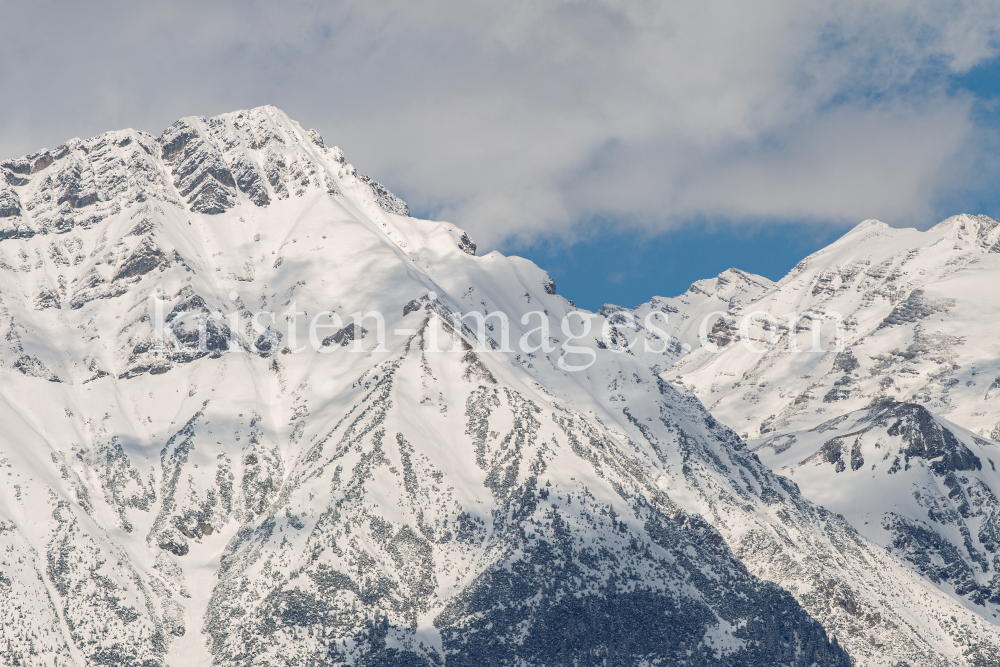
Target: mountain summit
[896, 430]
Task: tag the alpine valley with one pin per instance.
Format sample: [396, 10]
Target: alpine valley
[259, 482]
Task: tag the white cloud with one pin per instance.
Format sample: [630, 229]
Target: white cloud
[524, 118]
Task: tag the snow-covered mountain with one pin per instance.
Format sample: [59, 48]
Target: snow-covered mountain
[270, 485]
[680, 317]
[862, 429]
[921, 487]
[918, 311]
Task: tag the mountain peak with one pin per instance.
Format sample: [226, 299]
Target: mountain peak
[211, 205]
[211, 476]
[209, 490]
[980, 231]
[250, 157]
[868, 224]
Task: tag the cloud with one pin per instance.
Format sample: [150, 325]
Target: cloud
[521, 119]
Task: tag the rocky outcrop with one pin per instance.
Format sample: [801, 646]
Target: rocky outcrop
[390, 203]
[10, 203]
[937, 509]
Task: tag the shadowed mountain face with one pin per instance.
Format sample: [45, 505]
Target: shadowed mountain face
[270, 485]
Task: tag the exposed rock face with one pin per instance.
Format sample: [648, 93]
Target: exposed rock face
[916, 307]
[978, 230]
[393, 204]
[926, 438]
[465, 244]
[10, 203]
[912, 482]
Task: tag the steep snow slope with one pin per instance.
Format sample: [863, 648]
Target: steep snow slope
[859, 429]
[911, 482]
[680, 317]
[918, 311]
[230, 500]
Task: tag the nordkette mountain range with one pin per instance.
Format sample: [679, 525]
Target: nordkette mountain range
[203, 461]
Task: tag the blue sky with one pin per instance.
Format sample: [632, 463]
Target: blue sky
[628, 266]
[629, 148]
[627, 269]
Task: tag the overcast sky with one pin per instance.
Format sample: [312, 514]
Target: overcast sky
[528, 120]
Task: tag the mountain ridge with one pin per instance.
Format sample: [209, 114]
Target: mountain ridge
[854, 425]
[222, 498]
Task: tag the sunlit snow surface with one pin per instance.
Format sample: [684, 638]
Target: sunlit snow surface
[398, 507]
[911, 482]
[920, 312]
